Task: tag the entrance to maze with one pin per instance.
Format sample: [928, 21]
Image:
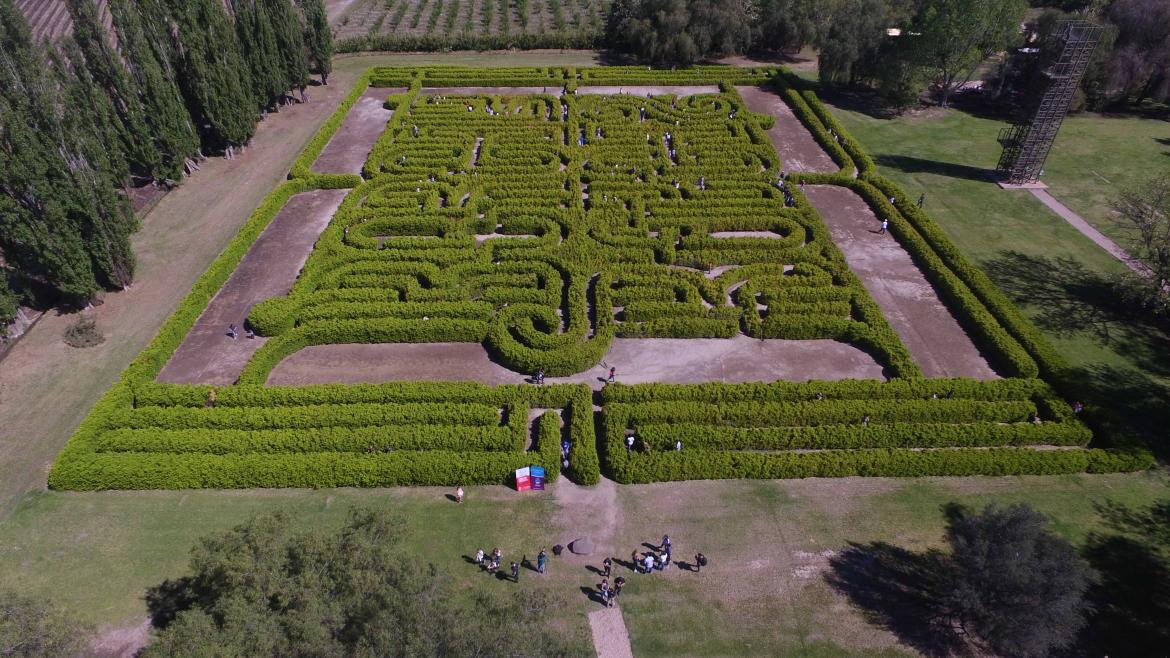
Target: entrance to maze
[651, 228]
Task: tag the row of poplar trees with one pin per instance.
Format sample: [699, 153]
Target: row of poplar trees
[84, 118]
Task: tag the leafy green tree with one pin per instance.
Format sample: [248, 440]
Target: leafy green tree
[257, 38]
[680, 32]
[849, 40]
[318, 37]
[215, 80]
[63, 224]
[9, 302]
[266, 588]
[290, 43]
[1142, 213]
[105, 67]
[32, 628]
[953, 37]
[142, 38]
[786, 25]
[1139, 66]
[1012, 583]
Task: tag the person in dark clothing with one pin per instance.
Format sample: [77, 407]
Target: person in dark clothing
[515, 572]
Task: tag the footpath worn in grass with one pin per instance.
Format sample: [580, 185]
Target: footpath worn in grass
[763, 592]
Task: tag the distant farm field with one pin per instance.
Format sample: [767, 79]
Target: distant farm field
[466, 24]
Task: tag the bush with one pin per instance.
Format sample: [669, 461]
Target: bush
[83, 333]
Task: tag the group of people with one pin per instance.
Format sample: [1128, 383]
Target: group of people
[782, 185]
[490, 562]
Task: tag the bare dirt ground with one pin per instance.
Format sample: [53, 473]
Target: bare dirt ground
[491, 91]
[346, 153]
[638, 361]
[208, 355]
[120, 641]
[610, 637]
[46, 387]
[798, 150]
[929, 330]
[648, 91]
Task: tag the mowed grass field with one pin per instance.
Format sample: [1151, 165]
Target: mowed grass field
[763, 593]
[770, 542]
[1057, 276]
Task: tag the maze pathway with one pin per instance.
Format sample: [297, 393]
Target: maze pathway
[909, 302]
[207, 355]
[347, 151]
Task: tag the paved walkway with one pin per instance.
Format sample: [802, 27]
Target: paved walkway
[207, 355]
[1090, 232]
[926, 326]
[638, 361]
[610, 637]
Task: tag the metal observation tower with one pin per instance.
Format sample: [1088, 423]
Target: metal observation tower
[1026, 144]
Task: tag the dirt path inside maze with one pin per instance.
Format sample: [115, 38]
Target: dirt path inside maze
[638, 361]
[798, 150]
[347, 151]
[912, 306]
[208, 355]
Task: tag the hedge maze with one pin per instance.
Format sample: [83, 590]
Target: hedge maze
[544, 225]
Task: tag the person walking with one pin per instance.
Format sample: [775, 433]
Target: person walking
[665, 545]
[607, 566]
[678, 446]
[541, 561]
[921, 199]
[630, 443]
[700, 562]
[648, 562]
[612, 375]
[635, 560]
[211, 398]
[604, 588]
[515, 572]
[479, 555]
[459, 494]
[885, 225]
[232, 330]
[618, 585]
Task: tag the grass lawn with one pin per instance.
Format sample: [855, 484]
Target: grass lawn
[1095, 154]
[763, 593]
[1059, 277]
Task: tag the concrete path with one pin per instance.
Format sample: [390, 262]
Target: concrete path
[798, 150]
[911, 305]
[207, 355]
[1090, 232]
[638, 361]
[610, 637]
[346, 152]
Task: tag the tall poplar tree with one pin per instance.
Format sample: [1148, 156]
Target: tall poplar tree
[63, 224]
[318, 37]
[144, 43]
[106, 67]
[290, 42]
[215, 80]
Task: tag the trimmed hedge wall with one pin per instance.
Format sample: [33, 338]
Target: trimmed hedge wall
[434, 246]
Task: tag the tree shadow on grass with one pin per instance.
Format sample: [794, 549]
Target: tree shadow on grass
[1071, 298]
[1131, 598]
[897, 590]
[912, 165]
[166, 600]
